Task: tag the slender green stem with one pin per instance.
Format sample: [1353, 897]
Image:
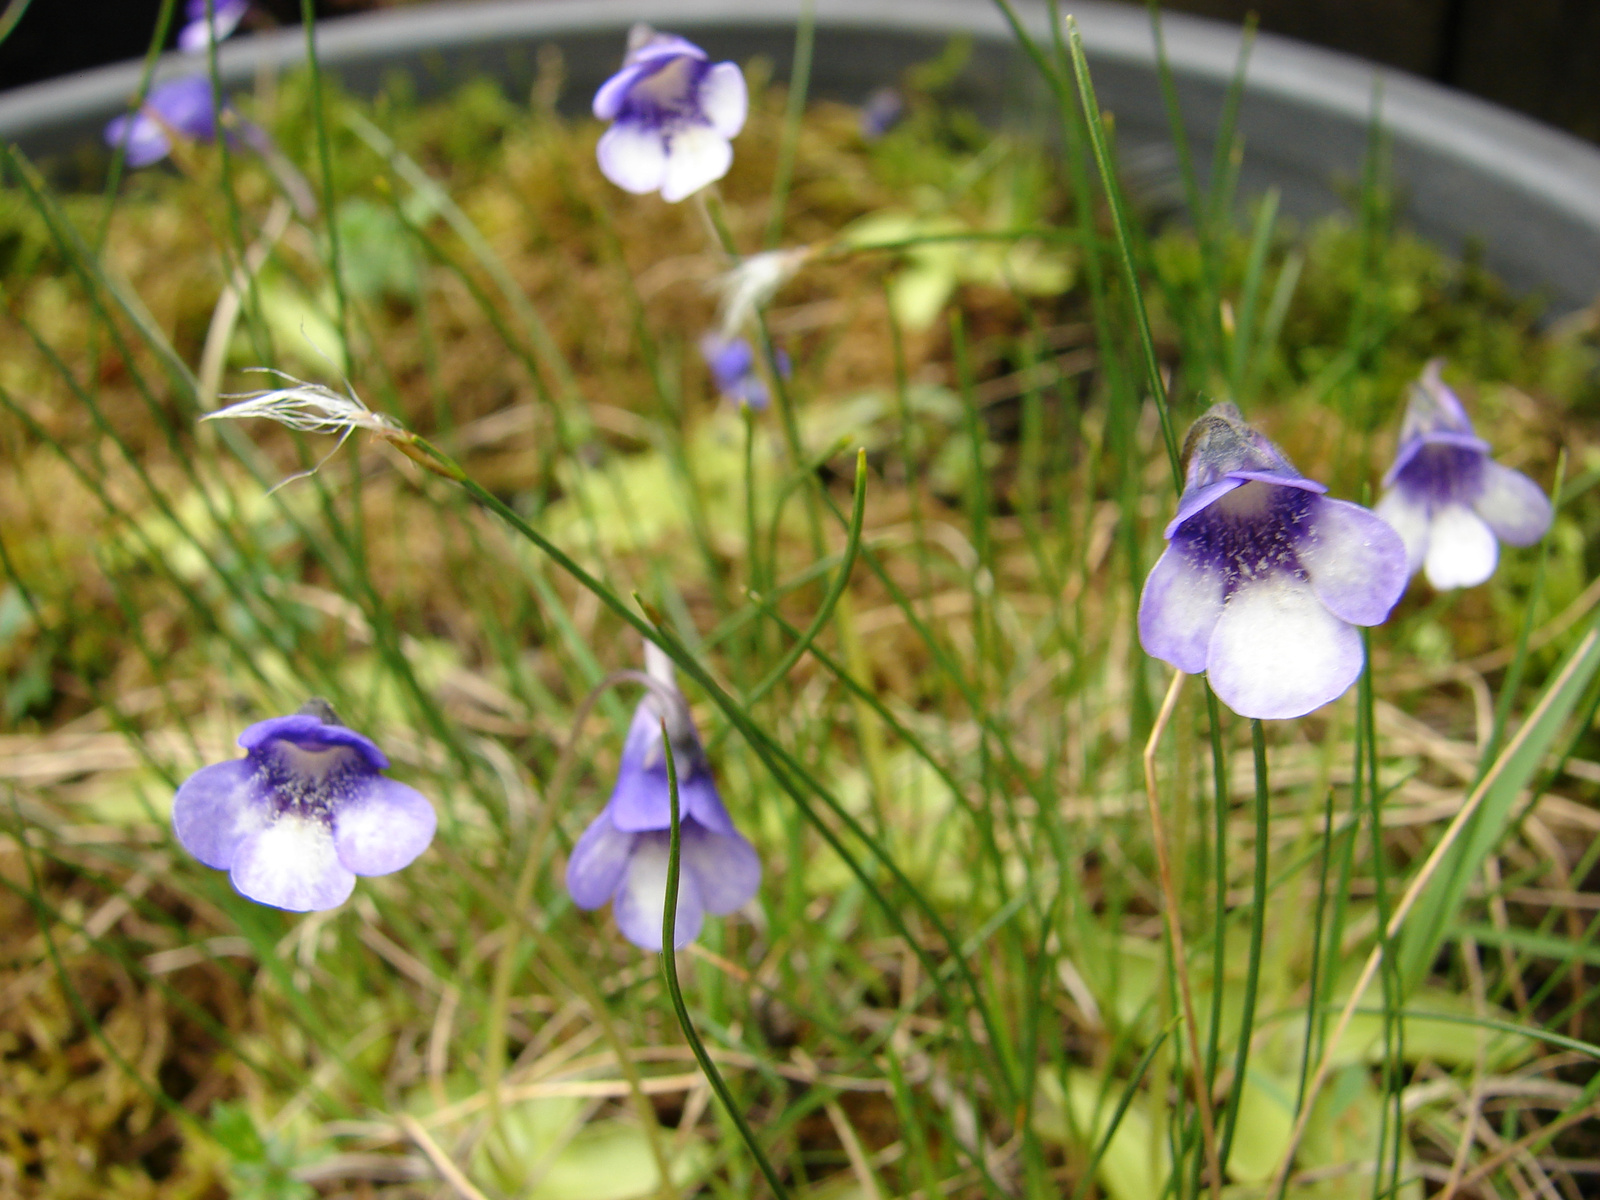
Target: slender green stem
[1219, 882]
[1119, 222]
[799, 86]
[1392, 1125]
[13, 13]
[1258, 914]
[669, 967]
[1325, 861]
[308, 17]
[1115, 1123]
[841, 580]
[786, 771]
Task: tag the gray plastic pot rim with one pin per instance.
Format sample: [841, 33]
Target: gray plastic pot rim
[1521, 155]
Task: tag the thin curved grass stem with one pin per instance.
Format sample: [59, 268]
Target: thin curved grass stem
[1169, 894]
[1258, 913]
[785, 771]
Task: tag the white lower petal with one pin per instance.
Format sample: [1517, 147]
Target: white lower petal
[641, 901]
[633, 157]
[1178, 609]
[724, 99]
[1512, 505]
[292, 864]
[1356, 561]
[1462, 551]
[1277, 652]
[696, 156]
[1410, 521]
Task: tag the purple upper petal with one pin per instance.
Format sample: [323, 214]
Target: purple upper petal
[660, 90]
[648, 45]
[311, 733]
[613, 92]
[642, 799]
[1197, 499]
[1223, 453]
[656, 52]
[1466, 448]
[381, 826]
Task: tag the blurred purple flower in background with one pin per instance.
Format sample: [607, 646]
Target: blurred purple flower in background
[672, 113]
[225, 18]
[1265, 578]
[622, 856]
[733, 369]
[186, 107]
[1447, 499]
[881, 113]
[302, 814]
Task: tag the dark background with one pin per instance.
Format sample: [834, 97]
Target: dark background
[1541, 57]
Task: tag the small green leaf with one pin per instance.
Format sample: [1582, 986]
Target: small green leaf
[1136, 1163]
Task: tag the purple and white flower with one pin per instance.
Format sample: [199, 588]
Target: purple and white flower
[672, 112]
[302, 814]
[622, 857]
[1447, 499]
[881, 113]
[732, 362]
[1265, 578]
[225, 18]
[186, 107]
